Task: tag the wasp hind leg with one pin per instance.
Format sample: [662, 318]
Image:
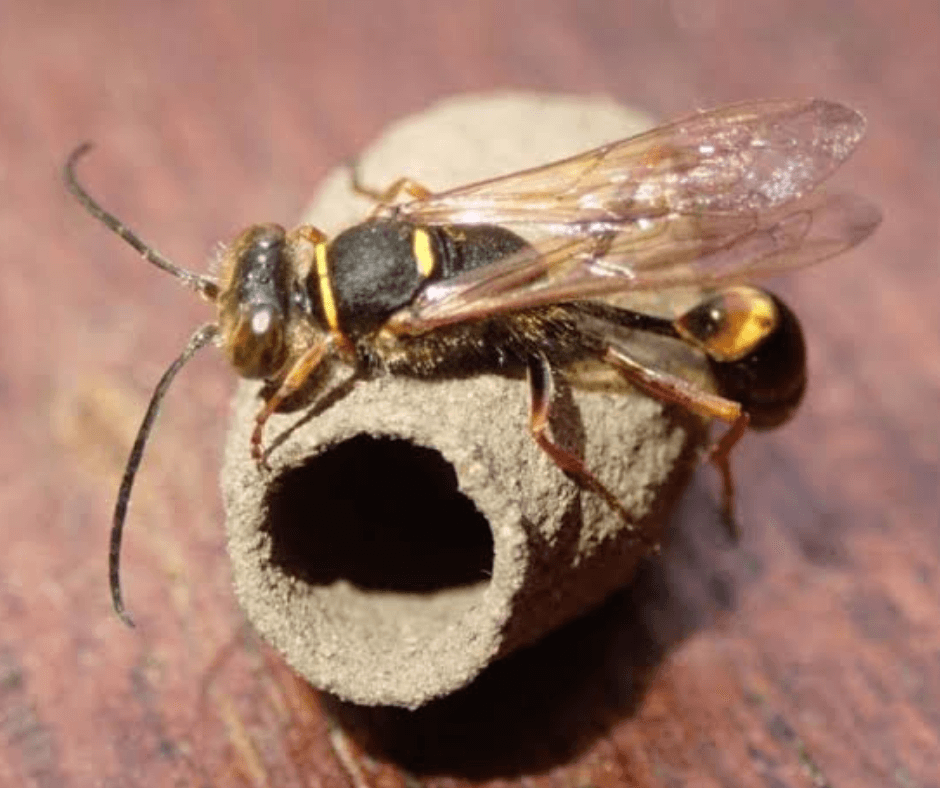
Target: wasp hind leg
[669, 388]
[541, 390]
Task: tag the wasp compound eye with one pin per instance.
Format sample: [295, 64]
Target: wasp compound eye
[254, 340]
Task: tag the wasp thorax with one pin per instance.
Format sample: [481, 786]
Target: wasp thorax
[254, 302]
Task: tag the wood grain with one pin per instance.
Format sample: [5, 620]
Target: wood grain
[806, 656]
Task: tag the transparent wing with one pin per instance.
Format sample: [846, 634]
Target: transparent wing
[674, 250]
[744, 158]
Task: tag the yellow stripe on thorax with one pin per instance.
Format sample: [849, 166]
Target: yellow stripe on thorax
[424, 254]
[326, 288]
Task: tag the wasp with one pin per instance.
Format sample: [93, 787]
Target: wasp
[517, 274]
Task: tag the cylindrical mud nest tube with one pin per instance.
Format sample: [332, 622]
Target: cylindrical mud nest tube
[410, 532]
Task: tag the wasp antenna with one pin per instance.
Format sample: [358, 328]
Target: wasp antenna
[203, 336]
[203, 285]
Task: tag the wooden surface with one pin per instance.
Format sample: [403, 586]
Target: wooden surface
[807, 656]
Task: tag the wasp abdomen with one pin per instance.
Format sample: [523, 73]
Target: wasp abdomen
[755, 348]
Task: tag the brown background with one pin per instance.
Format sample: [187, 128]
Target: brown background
[809, 655]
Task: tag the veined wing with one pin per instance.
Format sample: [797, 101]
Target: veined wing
[697, 249]
[743, 158]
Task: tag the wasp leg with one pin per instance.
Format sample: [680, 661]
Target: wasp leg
[298, 374]
[387, 196]
[308, 233]
[670, 388]
[541, 390]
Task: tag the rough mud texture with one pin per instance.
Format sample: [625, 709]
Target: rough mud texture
[412, 532]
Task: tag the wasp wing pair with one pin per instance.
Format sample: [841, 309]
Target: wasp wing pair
[712, 200]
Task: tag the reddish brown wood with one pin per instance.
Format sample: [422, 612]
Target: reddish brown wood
[806, 656]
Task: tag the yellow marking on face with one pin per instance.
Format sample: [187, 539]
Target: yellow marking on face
[326, 288]
[423, 252]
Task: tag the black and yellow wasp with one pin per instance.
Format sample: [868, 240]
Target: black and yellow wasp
[444, 284]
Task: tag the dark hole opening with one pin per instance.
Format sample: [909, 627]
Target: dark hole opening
[381, 513]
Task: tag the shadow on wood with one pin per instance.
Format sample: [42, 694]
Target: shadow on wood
[540, 707]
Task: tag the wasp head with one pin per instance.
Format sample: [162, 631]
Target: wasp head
[257, 293]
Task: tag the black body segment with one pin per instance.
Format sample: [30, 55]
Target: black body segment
[490, 345]
[372, 271]
[379, 266]
[467, 246]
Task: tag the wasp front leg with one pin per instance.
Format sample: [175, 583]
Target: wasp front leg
[299, 373]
